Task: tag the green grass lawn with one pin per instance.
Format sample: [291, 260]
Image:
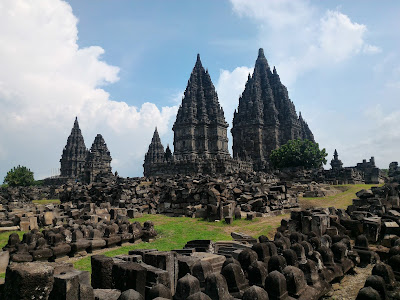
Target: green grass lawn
[340, 200]
[46, 201]
[175, 232]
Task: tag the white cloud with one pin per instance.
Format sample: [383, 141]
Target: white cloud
[230, 87]
[301, 38]
[46, 80]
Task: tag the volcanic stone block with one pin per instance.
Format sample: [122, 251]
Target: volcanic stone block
[102, 272]
[185, 264]
[367, 293]
[60, 251]
[129, 275]
[28, 281]
[386, 272]
[66, 286]
[166, 261]
[131, 295]
[201, 270]
[48, 217]
[198, 296]
[4, 259]
[106, 294]
[156, 276]
[186, 286]
[235, 279]
[257, 273]
[42, 254]
[275, 285]
[217, 288]
[255, 292]
[159, 290]
[86, 292]
[319, 223]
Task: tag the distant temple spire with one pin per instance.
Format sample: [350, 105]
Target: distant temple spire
[74, 154]
[200, 110]
[336, 163]
[78, 163]
[98, 162]
[266, 118]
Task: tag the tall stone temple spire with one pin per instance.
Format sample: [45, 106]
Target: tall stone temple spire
[155, 154]
[200, 135]
[266, 118]
[74, 154]
[98, 160]
[200, 129]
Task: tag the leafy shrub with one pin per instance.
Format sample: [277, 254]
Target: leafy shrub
[19, 176]
[298, 153]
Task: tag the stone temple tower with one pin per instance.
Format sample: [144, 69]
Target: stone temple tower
[266, 118]
[98, 160]
[200, 135]
[74, 154]
[200, 129]
[155, 154]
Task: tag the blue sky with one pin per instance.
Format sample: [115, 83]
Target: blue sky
[121, 67]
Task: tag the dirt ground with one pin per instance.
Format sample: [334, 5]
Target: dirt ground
[349, 286]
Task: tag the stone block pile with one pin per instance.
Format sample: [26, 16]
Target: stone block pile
[27, 194]
[77, 237]
[292, 265]
[201, 196]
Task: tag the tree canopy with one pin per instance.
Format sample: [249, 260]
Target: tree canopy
[298, 153]
[19, 176]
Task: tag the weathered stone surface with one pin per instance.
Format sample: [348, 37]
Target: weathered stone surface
[106, 294]
[28, 281]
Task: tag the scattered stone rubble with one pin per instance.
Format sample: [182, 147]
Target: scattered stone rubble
[76, 232]
[310, 251]
[201, 196]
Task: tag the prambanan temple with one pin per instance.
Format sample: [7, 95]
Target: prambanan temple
[265, 119]
[79, 163]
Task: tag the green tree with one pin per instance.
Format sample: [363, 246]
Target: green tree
[298, 153]
[19, 176]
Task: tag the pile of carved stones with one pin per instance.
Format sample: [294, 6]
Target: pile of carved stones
[200, 196]
[27, 194]
[291, 266]
[71, 230]
[372, 221]
[75, 239]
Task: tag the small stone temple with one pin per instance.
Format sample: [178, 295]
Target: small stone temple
[266, 118]
[365, 172]
[98, 162]
[79, 163]
[200, 135]
[74, 155]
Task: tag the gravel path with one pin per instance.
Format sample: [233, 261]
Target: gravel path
[349, 286]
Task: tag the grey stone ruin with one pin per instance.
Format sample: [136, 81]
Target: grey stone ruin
[80, 164]
[266, 118]
[200, 134]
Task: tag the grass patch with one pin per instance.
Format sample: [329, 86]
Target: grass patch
[46, 201]
[340, 200]
[175, 232]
